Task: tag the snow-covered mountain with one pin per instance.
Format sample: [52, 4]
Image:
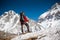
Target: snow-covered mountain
[52, 13]
[9, 22]
[49, 17]
[49, 21]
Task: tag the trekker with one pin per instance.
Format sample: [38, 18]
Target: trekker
[23, 21]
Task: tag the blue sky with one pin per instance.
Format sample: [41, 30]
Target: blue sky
[32, 8]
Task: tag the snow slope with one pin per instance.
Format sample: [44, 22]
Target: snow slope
[52, 33]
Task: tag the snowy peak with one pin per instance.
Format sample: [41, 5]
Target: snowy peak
[52, 14]
[10, 12]
[56, 6]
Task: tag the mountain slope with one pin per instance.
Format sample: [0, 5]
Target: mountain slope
[9, 22]
[47, 18]
[50, 21]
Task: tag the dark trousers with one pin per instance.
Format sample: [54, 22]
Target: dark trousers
[26, 26]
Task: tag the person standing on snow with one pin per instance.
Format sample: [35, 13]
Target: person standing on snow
[23, 21]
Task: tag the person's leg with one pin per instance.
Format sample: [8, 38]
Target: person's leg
[22, 28]
[27, 26]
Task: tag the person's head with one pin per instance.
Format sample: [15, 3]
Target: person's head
[21, 13]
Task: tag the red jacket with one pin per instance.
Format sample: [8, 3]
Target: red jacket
[26, 19]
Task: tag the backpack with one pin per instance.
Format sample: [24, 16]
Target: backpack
[25, 19]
